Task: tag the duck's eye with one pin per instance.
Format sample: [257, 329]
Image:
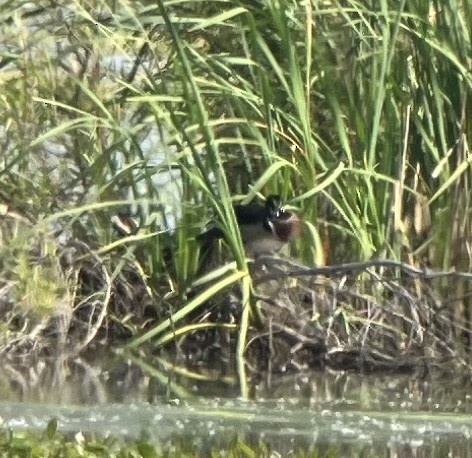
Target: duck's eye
[279, 212]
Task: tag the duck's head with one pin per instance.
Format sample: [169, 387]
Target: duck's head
[283, 224]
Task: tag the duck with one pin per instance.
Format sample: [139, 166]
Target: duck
[265, 227]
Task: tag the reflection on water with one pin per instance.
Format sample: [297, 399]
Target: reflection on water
[115, 379]
[385, 412]
[111, 380]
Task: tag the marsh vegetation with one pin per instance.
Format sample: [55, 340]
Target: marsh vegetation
[357, 114]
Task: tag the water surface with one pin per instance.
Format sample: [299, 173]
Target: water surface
[385, 413]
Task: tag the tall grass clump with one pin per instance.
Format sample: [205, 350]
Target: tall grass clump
[357, 114]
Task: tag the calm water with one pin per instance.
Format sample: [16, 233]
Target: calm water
[403, 415]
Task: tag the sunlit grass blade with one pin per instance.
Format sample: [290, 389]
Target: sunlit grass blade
[187, 308]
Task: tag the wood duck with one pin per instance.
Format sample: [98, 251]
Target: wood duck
[265, 227]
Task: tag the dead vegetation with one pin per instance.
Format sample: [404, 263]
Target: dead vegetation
[67, 298]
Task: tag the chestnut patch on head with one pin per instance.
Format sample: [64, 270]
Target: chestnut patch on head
[285, 225]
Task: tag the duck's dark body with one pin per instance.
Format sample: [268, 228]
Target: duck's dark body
[265, 227]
